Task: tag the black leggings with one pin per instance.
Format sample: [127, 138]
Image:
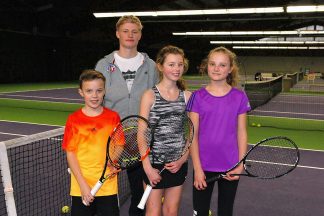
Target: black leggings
[226, 196]
[135, 177]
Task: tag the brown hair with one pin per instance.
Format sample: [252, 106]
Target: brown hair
[232, 78]
[89, 75]
[129, 19]
[161, 56]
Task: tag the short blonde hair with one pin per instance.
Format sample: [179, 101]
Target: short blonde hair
[129, 19]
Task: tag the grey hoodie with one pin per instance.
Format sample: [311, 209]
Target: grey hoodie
[117, 96]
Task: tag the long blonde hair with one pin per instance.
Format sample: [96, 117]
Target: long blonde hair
[232, 78]
[161, 56]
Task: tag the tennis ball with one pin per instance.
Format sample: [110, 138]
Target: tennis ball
[65, 209]
[253, 124]
[210, 213]
[259, 125]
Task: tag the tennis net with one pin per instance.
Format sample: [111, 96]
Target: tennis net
[260, 92]
[34, 171]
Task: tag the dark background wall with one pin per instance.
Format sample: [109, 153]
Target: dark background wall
[30, 58]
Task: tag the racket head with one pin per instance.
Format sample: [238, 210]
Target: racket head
[128, 138]
[172, 137]
[271, 158]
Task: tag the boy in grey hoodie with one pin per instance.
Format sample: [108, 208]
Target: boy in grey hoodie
[128, 74]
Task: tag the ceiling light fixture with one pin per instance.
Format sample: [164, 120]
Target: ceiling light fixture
[305, 9]
[246, 33]
[316, 48]
[289, 9]
[193, 12]
[276, 47]
[267, 42]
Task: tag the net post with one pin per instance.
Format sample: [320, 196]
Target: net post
[6, 179]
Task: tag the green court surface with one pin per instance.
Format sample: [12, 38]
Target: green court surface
[286, 123]
[306, 133]
[52, 113]
[304, 139]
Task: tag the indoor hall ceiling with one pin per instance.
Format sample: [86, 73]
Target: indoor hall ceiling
[73, 18]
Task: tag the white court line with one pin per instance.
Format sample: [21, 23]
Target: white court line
[298, 96]
[284, 117]
[13, 134]
[31, 96]
[295, 102]
[3, 120]
[266, 111]
[40, 90]
[315, 150]
[60, 102]
[310, 167]
[291, 165]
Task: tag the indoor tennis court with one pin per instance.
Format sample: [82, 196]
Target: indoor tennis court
[46, 44]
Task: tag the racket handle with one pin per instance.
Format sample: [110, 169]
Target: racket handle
[145, 196]
[215, 178]
[93, 191]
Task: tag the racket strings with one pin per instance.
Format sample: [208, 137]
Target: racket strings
[126, 140]
[272, 158]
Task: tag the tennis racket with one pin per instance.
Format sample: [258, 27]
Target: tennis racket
[131, 136]
[171, 138]
[269, 159]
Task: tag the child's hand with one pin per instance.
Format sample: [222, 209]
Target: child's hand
[153, 176]
[173, 167]
[200, 180]
[238, 170]
[86, 194]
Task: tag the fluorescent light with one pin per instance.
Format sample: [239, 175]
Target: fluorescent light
[314, 42]
[278, 47]
[269, 47]
[305, 9]
[254, 10]
[193, 12]
[316, 47]
[244, 33]
[120, 14]
[267, 42]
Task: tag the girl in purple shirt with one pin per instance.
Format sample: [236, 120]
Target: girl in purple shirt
[218, 112]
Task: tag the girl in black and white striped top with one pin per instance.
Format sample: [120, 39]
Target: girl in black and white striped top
[167, 96]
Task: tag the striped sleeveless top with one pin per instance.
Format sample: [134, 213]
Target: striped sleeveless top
[162, 143]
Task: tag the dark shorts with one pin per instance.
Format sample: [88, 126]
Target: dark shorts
[169, 179]
[102, 205]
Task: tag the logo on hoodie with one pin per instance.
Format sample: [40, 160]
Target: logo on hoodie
[111, 68]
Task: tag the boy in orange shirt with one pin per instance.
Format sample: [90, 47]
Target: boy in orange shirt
[86, 134]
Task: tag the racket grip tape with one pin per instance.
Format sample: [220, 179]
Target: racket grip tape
[145, 196]
[95, 189]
